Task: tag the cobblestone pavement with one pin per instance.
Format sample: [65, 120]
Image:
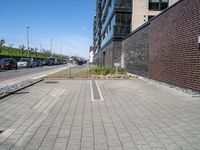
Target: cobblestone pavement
[133, 115]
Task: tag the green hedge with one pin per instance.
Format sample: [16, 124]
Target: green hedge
[6, 51]
[106, 70]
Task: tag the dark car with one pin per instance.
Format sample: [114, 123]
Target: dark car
[48, 62]
[36, 63]
[8, 63]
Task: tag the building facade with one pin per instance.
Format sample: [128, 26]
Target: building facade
[114, 23]
[144, 10]
[167, 47]
[115, 19]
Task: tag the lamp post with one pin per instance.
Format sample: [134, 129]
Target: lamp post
[27, 29]
[51, 45]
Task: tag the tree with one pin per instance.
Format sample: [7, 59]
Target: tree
[10, 49]
[22, 47]
[31, 52]
[2, 42]
[36, 51]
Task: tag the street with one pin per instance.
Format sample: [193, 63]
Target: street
[99, 115]
[12, 74]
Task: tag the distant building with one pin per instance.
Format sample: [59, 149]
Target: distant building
[115, 19]
[91, 55]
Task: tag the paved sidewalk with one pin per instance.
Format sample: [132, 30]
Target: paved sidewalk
[133, 115]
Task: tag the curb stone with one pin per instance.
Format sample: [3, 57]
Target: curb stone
[11, 89]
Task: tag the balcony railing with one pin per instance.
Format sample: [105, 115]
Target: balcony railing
[120, 4]
[121, 31]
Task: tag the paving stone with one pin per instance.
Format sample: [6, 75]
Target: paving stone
[133, 115]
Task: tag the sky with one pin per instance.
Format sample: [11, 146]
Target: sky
[68, 22]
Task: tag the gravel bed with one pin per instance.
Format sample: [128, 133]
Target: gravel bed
[17, 86]
[185, 90]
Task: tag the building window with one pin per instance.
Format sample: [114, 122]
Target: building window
[158, 5]
[149, 17]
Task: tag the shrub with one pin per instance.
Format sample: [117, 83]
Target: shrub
[106, 70]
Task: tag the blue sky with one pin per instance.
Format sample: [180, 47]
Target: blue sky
[68, 22]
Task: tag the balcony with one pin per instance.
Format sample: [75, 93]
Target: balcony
[121, 4]
[118, 32]
[121, 31]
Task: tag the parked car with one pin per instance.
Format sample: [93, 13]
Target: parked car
[36, 63]
[24, 63]
[8, 63]
[48, 62]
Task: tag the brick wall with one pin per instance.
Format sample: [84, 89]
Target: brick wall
[174, 56]
[135, 51]
[110, 54]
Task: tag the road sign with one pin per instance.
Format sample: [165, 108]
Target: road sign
[116, 64]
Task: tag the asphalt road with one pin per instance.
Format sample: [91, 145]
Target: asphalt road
[12, 74]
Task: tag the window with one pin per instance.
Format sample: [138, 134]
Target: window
[158, 5]
[149, 17]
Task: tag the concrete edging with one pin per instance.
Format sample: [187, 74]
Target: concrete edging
[21, 88]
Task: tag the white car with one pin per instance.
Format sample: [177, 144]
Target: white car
[23, 63]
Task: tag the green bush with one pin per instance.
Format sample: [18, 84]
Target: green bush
[106, 70]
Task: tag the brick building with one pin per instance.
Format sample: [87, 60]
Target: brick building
[174, 54]
[115, 19]
[166, 48]
[144, 10]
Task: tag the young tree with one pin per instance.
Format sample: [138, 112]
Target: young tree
[36, 51]
[22, 47]
[2, 42]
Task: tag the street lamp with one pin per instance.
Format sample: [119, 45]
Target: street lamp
[27, 29]
[51, 45]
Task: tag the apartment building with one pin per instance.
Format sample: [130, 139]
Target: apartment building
[97, 27]
[115, 19]
[144, 10]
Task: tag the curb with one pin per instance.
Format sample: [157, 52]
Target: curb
[24, 87]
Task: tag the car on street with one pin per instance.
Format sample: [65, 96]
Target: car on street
[48, 62]
[24, 63]
[36, 63]
[8, 63]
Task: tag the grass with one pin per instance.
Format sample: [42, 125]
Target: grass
[106, 71]
[85, 72]
[74, 73]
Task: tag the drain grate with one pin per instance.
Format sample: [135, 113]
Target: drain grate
[1, 131]
[95, 91]
[19, 93]
[196, 96]
[51, 82]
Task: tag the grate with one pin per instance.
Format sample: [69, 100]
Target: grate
[95, 91]
[21, 93]
[51, 82]
[196, 96]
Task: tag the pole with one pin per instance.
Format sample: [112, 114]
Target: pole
[61, 55]
[28, 40]
[51, 45]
